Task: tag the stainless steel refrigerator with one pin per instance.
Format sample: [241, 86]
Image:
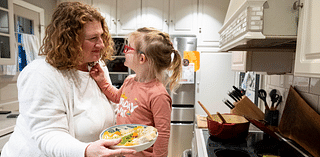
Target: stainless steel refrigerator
[183, 101]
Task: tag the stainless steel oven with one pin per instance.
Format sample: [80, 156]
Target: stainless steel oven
[118, 72]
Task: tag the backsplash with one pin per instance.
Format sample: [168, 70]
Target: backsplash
[307, 87]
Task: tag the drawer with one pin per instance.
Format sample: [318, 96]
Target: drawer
[182, 114]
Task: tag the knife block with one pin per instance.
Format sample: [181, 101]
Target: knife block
[245, 107]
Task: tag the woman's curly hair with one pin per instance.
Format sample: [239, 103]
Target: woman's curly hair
[62, 42]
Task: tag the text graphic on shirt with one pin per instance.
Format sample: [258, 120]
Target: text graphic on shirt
[125, 108]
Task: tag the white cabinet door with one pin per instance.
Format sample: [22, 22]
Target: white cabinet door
[307, 61]
[155, 13]
[7, 40]
[210, 20]
[183, 17]
[83, 1]
[128, 16]
[108, 10]
[239, 61]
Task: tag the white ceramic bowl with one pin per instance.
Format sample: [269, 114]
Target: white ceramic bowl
[139, 147]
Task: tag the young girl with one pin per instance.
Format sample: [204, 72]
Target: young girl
[143, 98]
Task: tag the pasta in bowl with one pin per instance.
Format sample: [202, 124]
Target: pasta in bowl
[133, 136]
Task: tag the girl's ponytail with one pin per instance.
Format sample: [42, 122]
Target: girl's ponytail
[176, 68]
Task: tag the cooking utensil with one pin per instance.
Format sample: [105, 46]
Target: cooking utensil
[208, 113]
[228, 103]
[262, 94]
[237, 90]
[279, 101]
[262, 126]
[233, 97]
[235, 126]
[222, 119]
[274, 97]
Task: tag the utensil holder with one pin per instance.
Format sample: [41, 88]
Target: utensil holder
[272, 117]
[245, 107]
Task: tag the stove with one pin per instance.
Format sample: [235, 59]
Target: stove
[255, 144]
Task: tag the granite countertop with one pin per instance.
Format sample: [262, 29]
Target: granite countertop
[7, 124]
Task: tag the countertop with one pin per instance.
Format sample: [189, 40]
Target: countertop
[7, 124]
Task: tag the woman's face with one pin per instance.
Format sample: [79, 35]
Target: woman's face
[92, 42]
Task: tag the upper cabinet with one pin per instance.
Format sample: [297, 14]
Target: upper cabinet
[210, 20]
[7, 40]
[307, 61]
[176, 17]
[122, 16]
[155, 14]
[183, 17]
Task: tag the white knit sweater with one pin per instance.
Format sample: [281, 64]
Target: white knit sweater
[61, 112]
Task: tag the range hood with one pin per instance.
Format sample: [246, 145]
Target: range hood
[258, 25]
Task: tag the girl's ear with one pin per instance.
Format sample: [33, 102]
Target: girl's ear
[143, 58]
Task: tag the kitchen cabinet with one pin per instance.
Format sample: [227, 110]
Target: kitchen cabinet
[83, 1]
[7, 39]
[271, 62]
[307, 62]
[182, 19]
[211, 16]
[155, 14]
[122, 16]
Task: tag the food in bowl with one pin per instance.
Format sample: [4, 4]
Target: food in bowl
[131, 134]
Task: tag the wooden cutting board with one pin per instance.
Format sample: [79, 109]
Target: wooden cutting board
[202, 121]
[301, 123]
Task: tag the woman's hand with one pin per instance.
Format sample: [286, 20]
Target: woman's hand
[100, 148]
[97, 73]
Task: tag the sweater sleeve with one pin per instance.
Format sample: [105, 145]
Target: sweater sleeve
[111, 92]
[161, 108]
[42, 101]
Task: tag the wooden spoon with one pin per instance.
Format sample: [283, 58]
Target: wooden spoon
[222, 119]
[208, 113]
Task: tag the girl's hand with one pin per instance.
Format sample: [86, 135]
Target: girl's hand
[97, 73]
[100, 148]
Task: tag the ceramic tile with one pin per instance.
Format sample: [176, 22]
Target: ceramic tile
[287, 81]
[311, 99]
[301, 84]
[275, 80]
[315, 86]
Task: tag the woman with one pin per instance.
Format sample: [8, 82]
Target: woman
[62, 110]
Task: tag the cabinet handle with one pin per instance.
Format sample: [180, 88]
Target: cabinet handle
[165, 20]
[114, 21]
[297, 5]
[199, 30]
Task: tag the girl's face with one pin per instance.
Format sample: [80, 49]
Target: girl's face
[92, 42]
[132, 58]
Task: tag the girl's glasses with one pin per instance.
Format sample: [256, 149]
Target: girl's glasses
[127, 48]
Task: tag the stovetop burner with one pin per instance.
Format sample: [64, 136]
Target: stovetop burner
[256, 144]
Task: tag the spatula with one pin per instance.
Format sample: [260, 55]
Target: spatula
[208, 113]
